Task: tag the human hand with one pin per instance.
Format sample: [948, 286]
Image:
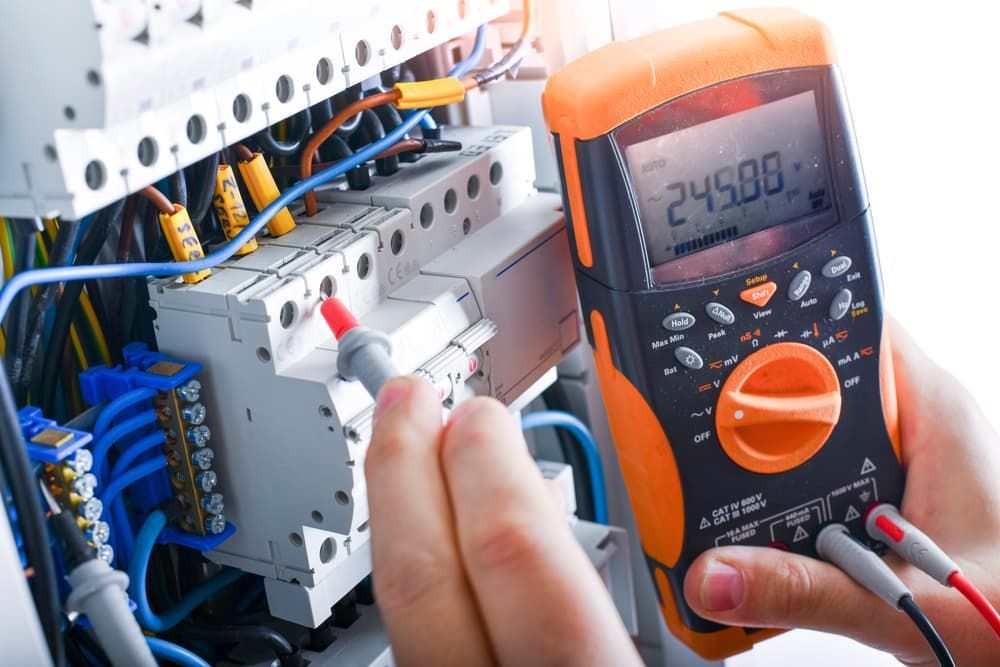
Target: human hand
[474, 562]
[952, 460]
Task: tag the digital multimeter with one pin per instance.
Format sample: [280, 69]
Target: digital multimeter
[727, 270]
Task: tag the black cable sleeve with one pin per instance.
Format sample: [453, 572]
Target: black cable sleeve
[90, 247]
[341, 100]
[24, 369]
[202, 201]
[290, 147]
[910, 608]
[24, 492]
[16, 326]
[177, 183]
[287, 654]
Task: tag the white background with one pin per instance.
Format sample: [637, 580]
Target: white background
[922, 80]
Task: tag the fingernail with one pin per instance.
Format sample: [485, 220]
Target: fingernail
[392, 392]
[721, 587]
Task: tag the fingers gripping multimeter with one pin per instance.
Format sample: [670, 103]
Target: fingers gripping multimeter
[727, 269]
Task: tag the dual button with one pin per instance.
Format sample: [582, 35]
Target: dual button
[682, 321]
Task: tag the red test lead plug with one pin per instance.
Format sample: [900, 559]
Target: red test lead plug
[363, 354]
[885, 524]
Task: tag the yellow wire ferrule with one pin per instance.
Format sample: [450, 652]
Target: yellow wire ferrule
[229, 206]
[431, 93]
[183, 241]
[263, 191]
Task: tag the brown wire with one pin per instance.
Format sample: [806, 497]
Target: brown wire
[158, 199]
[243, 153]
[324, 133]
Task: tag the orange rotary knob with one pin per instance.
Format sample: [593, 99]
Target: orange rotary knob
[778, 407]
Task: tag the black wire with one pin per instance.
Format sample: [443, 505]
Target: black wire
[62, 249]
[23, 487]
[287, 654]
[910, 608]
[341, 100]
[271, 146]
[555, 398]
[16, 326]
[177, 183]
[90, 247]
[201, 202]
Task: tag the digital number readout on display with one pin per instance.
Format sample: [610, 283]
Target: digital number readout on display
[730, 177]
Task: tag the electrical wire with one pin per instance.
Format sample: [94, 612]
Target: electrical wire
[227, 250]
[137, 571]
[962, 584]
[90, 247]
[158, 199]
[16, 325]
[94, 325]
[62, 249]
[115, 408]
[119, 431]
[585, 438]
[926, 628]
[236, 634]
[177, 184]
[142, 446]
[118, 484]
[514, 56]
[6, 249]
[202, 201]
[290, 147]
[22, 484]
[178, 655]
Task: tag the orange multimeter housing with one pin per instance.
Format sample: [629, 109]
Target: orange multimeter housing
[727, 269]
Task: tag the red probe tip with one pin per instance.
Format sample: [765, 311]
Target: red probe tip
[337, 316]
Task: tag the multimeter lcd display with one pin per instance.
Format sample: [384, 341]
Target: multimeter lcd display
[729, 177]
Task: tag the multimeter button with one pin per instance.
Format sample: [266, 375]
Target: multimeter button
[688, 357]
[759, 295]
[841, 304]
[719, 313]
[799, 285]
[836, 266]
[678, 321]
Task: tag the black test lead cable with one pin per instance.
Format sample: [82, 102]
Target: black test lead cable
[836, 545]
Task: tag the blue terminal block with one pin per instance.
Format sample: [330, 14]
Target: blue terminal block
[47, 441]
[143, 369]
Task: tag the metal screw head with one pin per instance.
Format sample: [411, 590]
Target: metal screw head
[84, 485]
[194, 414]
[99, 532]
[92, 509]
[106, 553]
[190, 392]
[212, 503]
[202, 458]
[83, 461]
[199, 435]
[215, 524]
[207, 480]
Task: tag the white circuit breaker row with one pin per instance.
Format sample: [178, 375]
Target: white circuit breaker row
[102, 97]
[455, 257]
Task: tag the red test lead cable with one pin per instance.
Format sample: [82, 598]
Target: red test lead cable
[885, 524]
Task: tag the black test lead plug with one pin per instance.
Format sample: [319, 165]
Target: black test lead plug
[836, 545]
[98, 592]
[884, 523]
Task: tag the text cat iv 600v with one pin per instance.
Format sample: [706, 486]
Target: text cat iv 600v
[727, 270]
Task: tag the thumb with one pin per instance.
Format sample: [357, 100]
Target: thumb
[763, 587]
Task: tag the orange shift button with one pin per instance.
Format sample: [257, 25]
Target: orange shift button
[759, 295]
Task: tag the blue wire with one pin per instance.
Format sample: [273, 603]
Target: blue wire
[115, 434]
[176, 654]
[579, 430]
[118, 484]
[113, 409]
[135, 450]
[55, 274]
[428, 122]
[138, 567]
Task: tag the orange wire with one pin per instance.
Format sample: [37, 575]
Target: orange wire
[158, 199]
[317, 139]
